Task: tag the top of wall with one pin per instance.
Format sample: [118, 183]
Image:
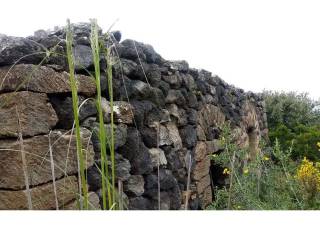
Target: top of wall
[48, 48]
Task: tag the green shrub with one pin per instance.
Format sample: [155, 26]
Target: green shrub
[271, 181]
[302, 138]
[294, 119]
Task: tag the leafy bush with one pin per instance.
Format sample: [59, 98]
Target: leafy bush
[294, 119]
[271, 181]
[302, 138]
[291, 109]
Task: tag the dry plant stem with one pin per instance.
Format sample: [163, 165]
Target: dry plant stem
[144, 73]
[75, 103]
[259, 181]
[110, 88]
[24, 163]
[53, 174]
[158, 165]
[188, 183]
[66, 166]
[231, 179]
[120, 194]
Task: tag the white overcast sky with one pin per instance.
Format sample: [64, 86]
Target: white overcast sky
[253, 44]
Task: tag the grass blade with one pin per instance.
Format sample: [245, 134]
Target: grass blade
[75, 103]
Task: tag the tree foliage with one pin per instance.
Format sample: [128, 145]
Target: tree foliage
[294, 119]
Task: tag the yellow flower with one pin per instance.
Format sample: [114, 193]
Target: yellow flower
[246, 171]
[226, 171]
[318, 144]
[266, 158]
[214, 155]
[238, 207]
[309, 175]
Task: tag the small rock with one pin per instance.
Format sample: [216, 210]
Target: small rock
[15, 48]
[140, 203]
[175, 96]
[64, 110]
[181, 66]
[156, 115]
[157, 154]
[164, 201]
[126, 67]
[164, 136]
[140, 110]
[174, 80]
[120, 136]
[189, 136]
[131, 49]
[122, 169]
[188, 82]
[192, 116]
[136, 152]
[94, 178]
[89, 122]
[82, 56]
[116, 35]
[154, 75]
[149, 136]
[192, 100]
[106, 110]
[174, 135]
[167, 181]
[134, 186]
[179, 114]
[122, 112]
[173, 158]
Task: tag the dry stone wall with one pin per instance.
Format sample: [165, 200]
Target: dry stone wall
[165, 113]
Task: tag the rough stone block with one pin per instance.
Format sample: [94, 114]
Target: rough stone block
[42, 197]
[206, 198]
[200, 152]
[93, 199]
[203, 184]
[33, 110]
[37, 158]
[42, 79]
[201, 169]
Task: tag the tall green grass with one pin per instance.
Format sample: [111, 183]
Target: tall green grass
[106, 188]
[107, 56]
[75, 104]
[99, 48]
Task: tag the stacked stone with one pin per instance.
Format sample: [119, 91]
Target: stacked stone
[166, 115]
[29, 132]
